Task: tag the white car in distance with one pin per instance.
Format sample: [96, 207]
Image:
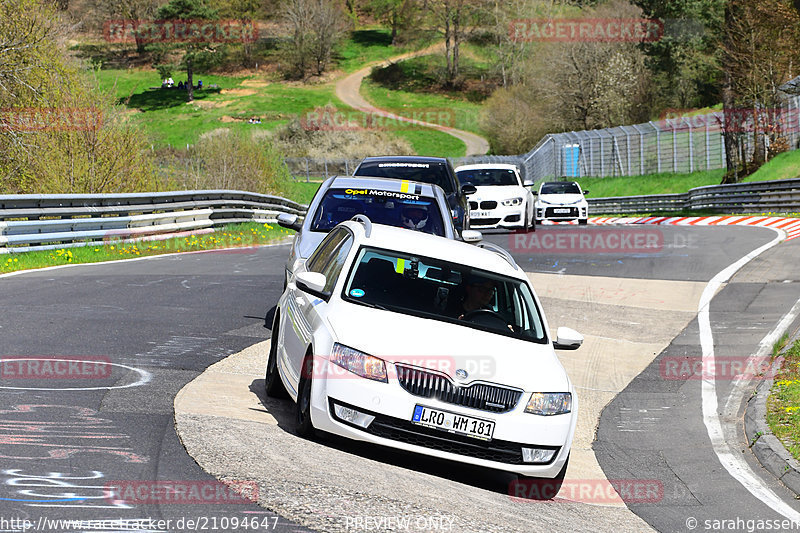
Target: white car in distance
[502, 199]
[561, 201]
[424, 344]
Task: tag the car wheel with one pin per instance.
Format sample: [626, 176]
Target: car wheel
[583, 221]
[273, 385]
[540, 488]
[303, 425]
[526, 227]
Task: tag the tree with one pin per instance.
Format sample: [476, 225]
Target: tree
[761, 43]
[316, 26]
[136, 11]
[685, 61]
[393, 13]
[188, 11]
[454, 19]
[246, 12]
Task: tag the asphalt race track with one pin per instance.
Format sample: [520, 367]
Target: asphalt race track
[161, 322]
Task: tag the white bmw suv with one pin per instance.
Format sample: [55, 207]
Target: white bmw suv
[424, 344]
[502, 199]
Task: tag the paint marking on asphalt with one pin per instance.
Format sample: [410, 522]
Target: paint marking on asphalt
[733, 463]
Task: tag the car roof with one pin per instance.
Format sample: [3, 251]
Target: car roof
[385, 184]
[418, 243]
[482, 166]
[404, 159]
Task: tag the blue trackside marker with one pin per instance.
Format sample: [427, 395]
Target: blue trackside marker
[417, 413]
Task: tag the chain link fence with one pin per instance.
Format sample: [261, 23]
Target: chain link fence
[671, 145]
[307, 169]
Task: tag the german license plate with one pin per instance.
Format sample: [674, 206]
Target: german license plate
[561, 210]
[453, 423]
[479, 214]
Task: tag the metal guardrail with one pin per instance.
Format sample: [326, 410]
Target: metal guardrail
[780, 196]
[48, 221]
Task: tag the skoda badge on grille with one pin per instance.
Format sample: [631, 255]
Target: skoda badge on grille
[461, 374]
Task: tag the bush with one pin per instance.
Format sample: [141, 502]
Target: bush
[296, 141]
[230, 159]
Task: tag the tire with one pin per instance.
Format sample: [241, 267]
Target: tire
[583, 221]
[540, 488]
[303, 425]
[273, 385]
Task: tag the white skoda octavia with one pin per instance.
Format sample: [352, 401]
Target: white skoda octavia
[425, 344]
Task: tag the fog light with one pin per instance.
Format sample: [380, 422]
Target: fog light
[537, 455]
[352, 416]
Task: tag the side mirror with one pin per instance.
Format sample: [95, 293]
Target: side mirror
[468, 189]
[285, 220]
[567, 339]
[585, 193]
[311, 282]
[471, 236]
[535, 193]
[528, 183]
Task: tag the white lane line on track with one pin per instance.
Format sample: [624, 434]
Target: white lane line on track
[733, 463]
[131, 260]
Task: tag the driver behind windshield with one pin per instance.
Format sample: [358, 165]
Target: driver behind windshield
[477, 294]
[415, 217]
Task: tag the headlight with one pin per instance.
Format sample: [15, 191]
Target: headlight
[512, 201]
[359, 363]
[549, 403]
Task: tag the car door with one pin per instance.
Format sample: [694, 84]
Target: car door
[302, 316]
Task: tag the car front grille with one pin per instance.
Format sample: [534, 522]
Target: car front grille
[571, 213]
[483, 396]
[483, 221]
[488, 205]
[403, 431]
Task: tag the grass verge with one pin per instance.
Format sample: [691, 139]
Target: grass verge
[232, 236]
[783, 404]
[649, 184]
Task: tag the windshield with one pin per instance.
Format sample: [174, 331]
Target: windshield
[435, 173]
[444, 291]
[411, 211]
[487, 176]
[566, 187]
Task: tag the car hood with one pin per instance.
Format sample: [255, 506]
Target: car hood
[561, 199]
[498, 192]
[447, 347]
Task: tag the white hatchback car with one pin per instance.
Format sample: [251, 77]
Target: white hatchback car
[502, 199]
[561, 200]
[424, 344]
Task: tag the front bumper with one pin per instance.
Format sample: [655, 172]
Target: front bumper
[393, 407]
[500, 217]
[553, 212]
